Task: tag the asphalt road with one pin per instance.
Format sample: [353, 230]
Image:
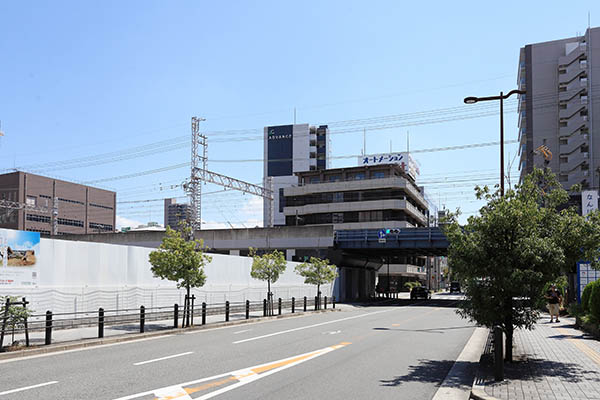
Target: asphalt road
[379, 352]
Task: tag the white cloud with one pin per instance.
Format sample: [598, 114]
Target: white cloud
[123, 222]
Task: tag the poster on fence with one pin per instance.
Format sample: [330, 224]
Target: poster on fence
[20, 251]
[585, 275]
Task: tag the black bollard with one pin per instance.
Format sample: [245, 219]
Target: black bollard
[48, 339]
[142, 318]
[101, 322]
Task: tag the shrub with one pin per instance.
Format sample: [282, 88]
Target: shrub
[575, 310]
[585, 296]
[594, 302]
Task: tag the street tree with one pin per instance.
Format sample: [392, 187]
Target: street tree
[15, 315]
[268, 267]
[516, 244]
[318, 272]
[181, 259]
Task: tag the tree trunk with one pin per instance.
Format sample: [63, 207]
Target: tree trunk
[187, 306]
[508, 330]
[269, 299]
[319, 296]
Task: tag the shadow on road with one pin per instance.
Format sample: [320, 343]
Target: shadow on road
[433, 371]
[431, 330]
[449, 303]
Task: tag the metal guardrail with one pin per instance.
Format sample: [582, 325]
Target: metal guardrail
[102, 318]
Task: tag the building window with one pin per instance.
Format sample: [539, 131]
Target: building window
[337, 218]
[334, 178]
[338, 197]
[314, 179]
[30, 201]
[70, 222]
[37, 218]
[358, 176]
[100, 227]
[378, 174]
[281, 200]
[71, 201]
[100, 206]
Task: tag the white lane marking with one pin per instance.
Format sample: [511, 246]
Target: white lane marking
[100, 346]
[238, 332]
[242, 376]
[332, 332]
[311, 326]
[163, 358]
[28, 387]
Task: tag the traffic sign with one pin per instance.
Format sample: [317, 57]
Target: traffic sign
[381, 234]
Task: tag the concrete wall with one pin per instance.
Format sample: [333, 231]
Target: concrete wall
[83, 276]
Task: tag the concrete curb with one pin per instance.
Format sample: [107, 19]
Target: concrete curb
[478, 391]
[79, 344]
[471, 353]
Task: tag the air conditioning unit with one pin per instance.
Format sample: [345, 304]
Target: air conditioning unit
[585, 155]
[586, 172]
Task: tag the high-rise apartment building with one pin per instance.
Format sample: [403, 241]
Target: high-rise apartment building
[561, 110]
[289, 149]
[81, 209]
[175, 213]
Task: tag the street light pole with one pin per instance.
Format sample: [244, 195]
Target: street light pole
[473, 100]
[501, 144]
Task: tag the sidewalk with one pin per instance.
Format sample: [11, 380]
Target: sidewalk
[553, 361]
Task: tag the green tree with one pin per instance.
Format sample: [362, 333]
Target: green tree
[16, 316]
[268, 267]
[317, 272]
[517, 244]
[181, 259]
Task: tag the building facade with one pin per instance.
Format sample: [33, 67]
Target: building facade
[81, 209]
[290, 149]
[366, 197]
[175, 213]
[560, 111]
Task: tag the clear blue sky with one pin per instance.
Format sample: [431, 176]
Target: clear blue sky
[78, 79]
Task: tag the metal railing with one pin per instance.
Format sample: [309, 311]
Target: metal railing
[135, 319]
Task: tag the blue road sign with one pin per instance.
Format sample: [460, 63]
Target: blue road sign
[381, 234]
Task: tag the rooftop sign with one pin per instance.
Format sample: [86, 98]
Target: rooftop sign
[404, 159]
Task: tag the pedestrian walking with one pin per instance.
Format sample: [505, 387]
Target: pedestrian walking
[554, 298]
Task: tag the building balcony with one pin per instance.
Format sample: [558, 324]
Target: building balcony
[395, 182]
[572, 57]
[571, 110]
[576, 123]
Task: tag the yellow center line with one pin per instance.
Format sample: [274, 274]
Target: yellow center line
[588, 351]
[253, 371]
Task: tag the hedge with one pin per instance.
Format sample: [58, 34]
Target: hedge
[585, 296]
[594, 301]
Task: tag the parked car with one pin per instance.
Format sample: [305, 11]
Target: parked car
[454, 287]
[419, 292]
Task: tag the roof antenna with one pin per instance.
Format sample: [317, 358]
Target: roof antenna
[407, 141]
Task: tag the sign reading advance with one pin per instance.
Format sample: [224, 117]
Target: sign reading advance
[404, 159]
[279, 150]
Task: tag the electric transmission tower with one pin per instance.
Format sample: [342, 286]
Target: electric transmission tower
[197, 174]
[200, 173]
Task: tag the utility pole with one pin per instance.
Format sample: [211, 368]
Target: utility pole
[55, 216]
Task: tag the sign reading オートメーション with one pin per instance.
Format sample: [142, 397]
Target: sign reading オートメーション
[404, 159]
[19, 251]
